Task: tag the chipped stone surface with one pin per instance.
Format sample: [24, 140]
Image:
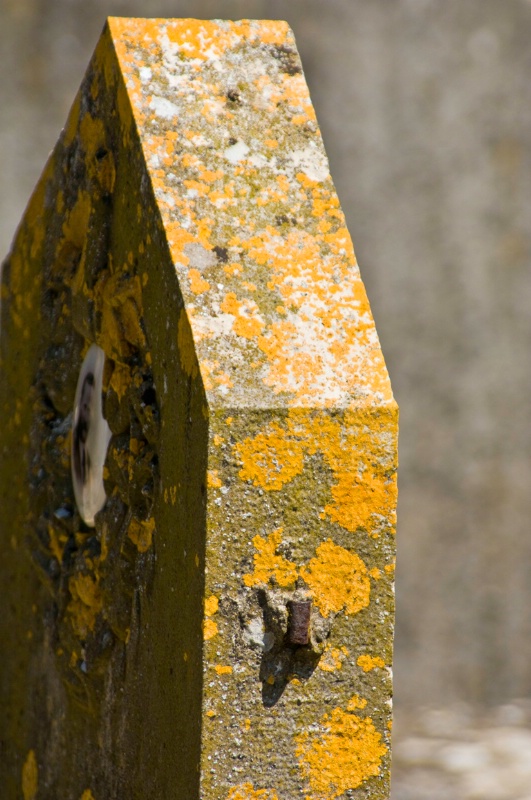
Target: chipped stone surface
[188, 225]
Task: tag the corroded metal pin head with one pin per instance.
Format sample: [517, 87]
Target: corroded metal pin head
[90, 437]
[299, 621]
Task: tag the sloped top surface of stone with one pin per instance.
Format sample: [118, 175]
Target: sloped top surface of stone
[272, 291]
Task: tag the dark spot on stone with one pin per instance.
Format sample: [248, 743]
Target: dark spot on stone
[282, 219]
[232, 141]
[222, 254]
[149, 396]
[289, 60]
[234, 96]
[101, 152]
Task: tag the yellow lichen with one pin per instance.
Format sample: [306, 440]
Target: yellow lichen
[120, 379]
[213, 480]
[58, 539]
[247, 321]
[119, 297]
[75, 226]
[268, 564]
[332, 658]
[246, 791]
[198, 285]
[141, 533]
[338, 580]
[270, 459]
[347, 752]
[355, 448]
[356, 702]
[367, 662]
[30, 777]
[210, 628]
[87, 795]
[86, 602]
[223, 669]
[211, 605]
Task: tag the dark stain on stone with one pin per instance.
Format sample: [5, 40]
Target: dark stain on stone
[222, 254]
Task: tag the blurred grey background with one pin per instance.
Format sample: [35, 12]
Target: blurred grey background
[425, 109]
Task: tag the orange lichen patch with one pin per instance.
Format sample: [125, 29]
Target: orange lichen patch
[141, 533]
[198, 285]
[178, 238]
[86, 602]
[30, 777]
[338, 580]
[356, 449]
[390, 568]
[271, 459]
[247, 321]
[210, 175]
[87, 795]
[246, 791]
[332, 658]
[375, 573]
[330, 323]
[356, 702]
[223, 669]
[347, 752]
[268, 563]
[211, 605]
[367, 663]
[213, 479]
[210, 628]
[202, 189]
[212, 376]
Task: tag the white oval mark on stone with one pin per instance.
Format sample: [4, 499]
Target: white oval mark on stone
[90, 437]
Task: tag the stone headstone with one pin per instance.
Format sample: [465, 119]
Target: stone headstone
[213, 617]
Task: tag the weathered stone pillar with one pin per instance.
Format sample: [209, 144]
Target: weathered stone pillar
[222, 629]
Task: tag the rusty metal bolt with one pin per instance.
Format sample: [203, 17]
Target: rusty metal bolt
[299, 622]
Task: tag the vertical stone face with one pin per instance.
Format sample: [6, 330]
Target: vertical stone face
[187, 224]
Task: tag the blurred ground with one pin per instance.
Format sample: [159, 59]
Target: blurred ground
[457, 753]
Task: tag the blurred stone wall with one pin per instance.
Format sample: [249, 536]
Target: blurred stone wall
[425, 108]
